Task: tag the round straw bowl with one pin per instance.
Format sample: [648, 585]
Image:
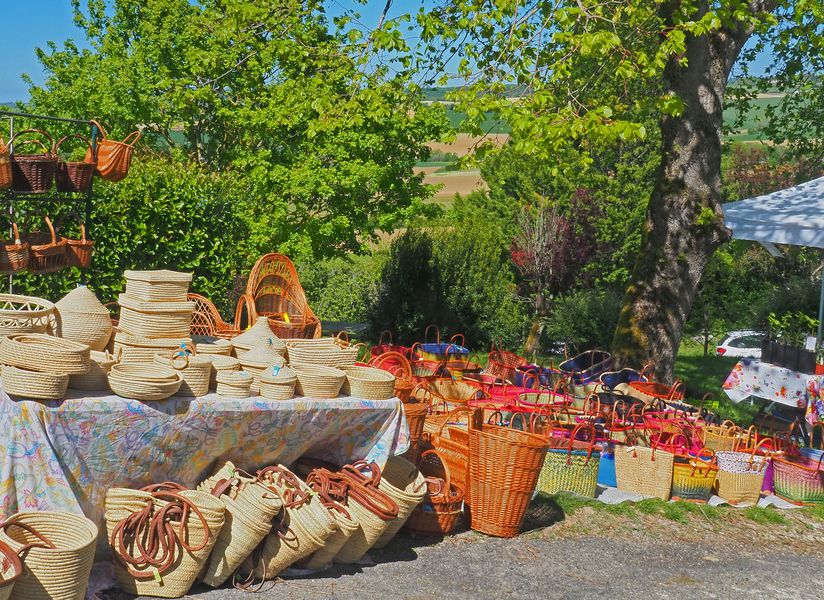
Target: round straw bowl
[97, 379]
[144, 382]
[195, 370]
[46, 353]
[315, 381]
[35, 385]
[60, 573]
[368, 383]
[329, 355]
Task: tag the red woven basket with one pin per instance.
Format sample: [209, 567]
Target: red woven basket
[502, 363]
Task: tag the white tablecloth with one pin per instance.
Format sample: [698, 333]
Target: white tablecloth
[751, 377]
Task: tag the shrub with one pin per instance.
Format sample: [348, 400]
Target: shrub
[341, 289]
[584, 319]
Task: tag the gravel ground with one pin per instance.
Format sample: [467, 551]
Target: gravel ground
[471, 566]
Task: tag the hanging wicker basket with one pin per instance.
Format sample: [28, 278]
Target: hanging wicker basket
[48, 250]
[33, 172]
[5, 166]
[74, 176]
[14, 256]
[80, 251]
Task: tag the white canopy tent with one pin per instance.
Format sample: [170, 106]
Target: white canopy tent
[793, 216]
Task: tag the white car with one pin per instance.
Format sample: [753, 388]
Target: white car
[741, 344]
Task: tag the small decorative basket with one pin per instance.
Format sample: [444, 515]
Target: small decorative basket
[222, 363]
[74, 176]
[195, 371]
[328, 355]
[278, 383]
[234, 384]
[48, 251]
[14, 256]
[157, 286]
[25, 314]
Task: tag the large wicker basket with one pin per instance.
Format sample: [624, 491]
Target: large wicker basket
[45, 353]
[33, 172]
[34, 384]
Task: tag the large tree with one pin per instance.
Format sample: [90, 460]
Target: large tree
[571, 75]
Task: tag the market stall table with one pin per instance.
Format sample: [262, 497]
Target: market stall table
[64, 455]
[751, 377]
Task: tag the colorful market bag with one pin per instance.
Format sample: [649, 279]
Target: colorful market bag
[585, 369]
[693, 477]
[722, 437]
[741, 475]
[567, 469]
[800, 478]
[113, 158]
[442, 351]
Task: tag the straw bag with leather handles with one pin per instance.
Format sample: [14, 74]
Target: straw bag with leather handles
[113, 158]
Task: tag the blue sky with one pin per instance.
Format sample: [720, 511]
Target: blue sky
[31, 23]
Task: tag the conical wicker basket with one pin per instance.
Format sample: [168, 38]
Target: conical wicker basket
[57, 573]
[195, 370]
[97, 379]
[157, 286]
[368, 383]
[234, 384]
[84, 319]
[315, 381]
[45, 353]
[144, 382]
[259, 332]
[279, 386]
[33, 384]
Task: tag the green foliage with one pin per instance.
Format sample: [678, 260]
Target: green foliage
[322, 126]
[342, 289]
[166, 214]
[584, 319]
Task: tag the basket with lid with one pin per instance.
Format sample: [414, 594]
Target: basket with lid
[195, 371]
[157, 286]
[84, 319]
[155, 319]
[278, 383]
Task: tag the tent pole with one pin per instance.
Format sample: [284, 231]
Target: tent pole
[820, 309]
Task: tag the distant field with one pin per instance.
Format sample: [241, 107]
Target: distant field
[452, 182]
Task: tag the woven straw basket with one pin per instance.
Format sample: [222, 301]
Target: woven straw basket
[740, 476]
[222, 363]
[368, 383]
[212, 345]
[315, 381]
[250, 509]
[128, 348]
[200, 534]
[144, 382]
[261, 331]
[33, 384]
[280, 386]
[26, 314]
[329, 355]
[157, 286]
[402, 481]
[59, 573]
[234, 384]
[644, 471]
[155, 319]
[97, 379]
[46, 353]
[84, 319]
[195, 371]
[10, 570]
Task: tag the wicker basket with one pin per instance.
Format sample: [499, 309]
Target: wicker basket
[155, 319]
[403, 482]
[33, 384]
[328, 355]
[14, 256]
[97, 379]
[280, 385]
[84, 319]
[644, 471]
[503, 364]
[129, 348]
[80, 251]
[48, 250]
[234, 384]
[157, 286]
[741, 475]
[33, 172]
[25, 314]
[368, 383]
[720, 437]
[45, 353]
[571, 466]
[74, 176]
[442, 506]
[504, 465]
[144, 382]
[800, 479]
[212, 345]
[189, 542]
[315, 381]
[59, 572]
[693, 478]
[222, 363]
[195, 370]
[5, 166]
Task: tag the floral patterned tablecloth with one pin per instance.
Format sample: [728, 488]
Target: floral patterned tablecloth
[751, 377]
[65, 455]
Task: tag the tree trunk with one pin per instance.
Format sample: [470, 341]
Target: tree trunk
[684, 223]
[533, 340]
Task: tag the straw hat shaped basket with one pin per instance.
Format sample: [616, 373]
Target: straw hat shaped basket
[33, 384]
[315, 381]
[14, 255]
[129, 348]
[155, 319]
[46, 353]
[368, 383]
[261, 357]
[261, 331]
[84, 319]
[59, 557]
[278, 384]
[157, 286]
[144, 381]
[97, 379]
[188, 523]
[26, 314]
[195, 370]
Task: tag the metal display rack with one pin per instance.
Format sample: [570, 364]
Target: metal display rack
[11, 197]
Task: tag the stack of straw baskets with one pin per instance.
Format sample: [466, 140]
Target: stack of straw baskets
[38, 366]
[252, 527]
